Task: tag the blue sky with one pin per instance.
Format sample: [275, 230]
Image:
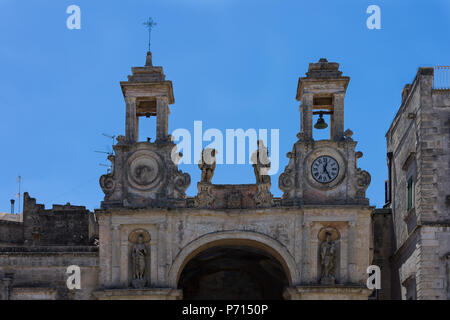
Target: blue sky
[234, 64]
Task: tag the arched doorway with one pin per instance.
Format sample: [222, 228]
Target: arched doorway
[233, 271]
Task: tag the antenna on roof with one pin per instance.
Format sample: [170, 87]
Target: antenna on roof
[113, 138]
[109, 153]
[109, 136]
[106, 165]
[111, 150]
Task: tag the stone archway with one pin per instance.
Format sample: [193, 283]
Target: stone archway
[233, 265]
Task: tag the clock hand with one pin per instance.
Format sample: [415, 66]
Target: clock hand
[325, 168]
[326, 171]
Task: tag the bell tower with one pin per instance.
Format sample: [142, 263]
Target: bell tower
[147, 93]
[322, 92]
[323, 171]
[145, 173]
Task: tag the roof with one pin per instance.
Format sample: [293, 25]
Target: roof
[11, 217]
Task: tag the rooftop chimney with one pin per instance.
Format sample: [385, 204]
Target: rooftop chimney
[12, 206]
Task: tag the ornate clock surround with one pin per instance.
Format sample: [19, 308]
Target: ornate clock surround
[325, 151]
[144, 170]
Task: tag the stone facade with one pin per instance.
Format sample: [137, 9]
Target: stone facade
[35, 252]
[289, 234]
[418, 145]
[149, 241]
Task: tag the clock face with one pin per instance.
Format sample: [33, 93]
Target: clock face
[324, 169]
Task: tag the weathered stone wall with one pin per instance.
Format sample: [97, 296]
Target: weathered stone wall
[383, 248]
[35, 253]
[62, 225]
[289, 234]
[432, 263]
[11, 233]
[40, 272]
[419, 140]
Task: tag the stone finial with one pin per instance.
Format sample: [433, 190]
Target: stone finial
[323, 69]
[348, 135]
[148, 60]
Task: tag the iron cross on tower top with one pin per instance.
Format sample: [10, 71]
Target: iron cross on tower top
[149, 24]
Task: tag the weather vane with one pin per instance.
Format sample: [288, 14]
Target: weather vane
[149, 24]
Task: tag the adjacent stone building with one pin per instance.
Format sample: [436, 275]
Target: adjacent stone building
[148, 240]
[418, 157]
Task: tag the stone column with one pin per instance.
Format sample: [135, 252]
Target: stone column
[306, 252]
[131, 124]
[343, 256]
[105, 250]
[115, 255]
[307, 116]
[338, 117]
[351, 248]
[162, 119]
[124, 257]
[6, 284]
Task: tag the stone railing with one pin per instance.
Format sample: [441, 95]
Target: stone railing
[441, 78]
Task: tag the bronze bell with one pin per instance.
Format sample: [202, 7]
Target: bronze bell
[321, 124]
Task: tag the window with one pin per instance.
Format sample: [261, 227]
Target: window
[410, 194]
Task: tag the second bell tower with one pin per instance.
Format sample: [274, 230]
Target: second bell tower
[323, 171]
[322, 92]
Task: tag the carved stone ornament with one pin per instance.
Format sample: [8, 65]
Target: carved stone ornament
[334, 234]
[107, 182]
[348, 135]
[301, 136]
[133, 237]
[263, 197]
[363, 180]
[234, 200]
[121, 140]
[180, 181]
[145, 170]
[286, 181]
[204, 198]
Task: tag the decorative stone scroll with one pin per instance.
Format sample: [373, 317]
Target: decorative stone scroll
[107, 182]
[363, 181]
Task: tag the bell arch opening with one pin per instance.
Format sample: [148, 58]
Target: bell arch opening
[233, 272]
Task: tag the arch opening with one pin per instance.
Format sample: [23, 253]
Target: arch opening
[233, 272]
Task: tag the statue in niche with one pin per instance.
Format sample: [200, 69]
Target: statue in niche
[261, 163]
[208, 164]
[139, 255]
[328, 260]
